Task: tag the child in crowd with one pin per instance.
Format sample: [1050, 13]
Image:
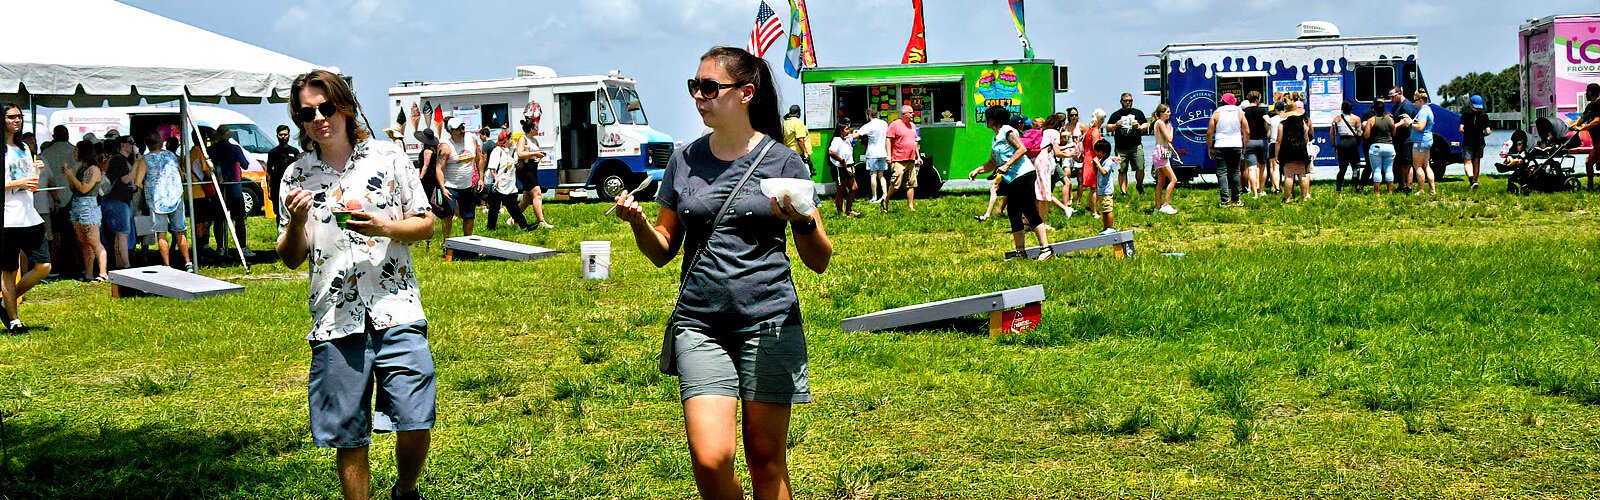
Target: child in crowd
[1106, 168]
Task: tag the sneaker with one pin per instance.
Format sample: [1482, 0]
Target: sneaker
[1224, 204]
[981, 218]
[1474, 185]
[1108, 231]
[546, 225]
[16, 327]
[412, 495]
[1045, 253]
[1167, 209]
[249, 253]
[188, 267]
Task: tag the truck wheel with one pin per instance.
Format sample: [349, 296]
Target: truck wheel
[252, 198]
[612, 183]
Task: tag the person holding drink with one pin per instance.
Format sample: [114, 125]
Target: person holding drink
[368, 336]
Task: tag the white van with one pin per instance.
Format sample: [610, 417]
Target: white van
[593, 128]
[140, 120]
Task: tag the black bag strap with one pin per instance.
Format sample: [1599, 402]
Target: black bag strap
[717, 220]
[665, 361]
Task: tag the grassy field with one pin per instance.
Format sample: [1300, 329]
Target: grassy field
[1350, 346]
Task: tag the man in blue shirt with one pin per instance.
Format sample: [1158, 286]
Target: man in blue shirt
[229, 163]
[1400, 108]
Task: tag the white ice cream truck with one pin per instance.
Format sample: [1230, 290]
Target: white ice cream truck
[593, 129]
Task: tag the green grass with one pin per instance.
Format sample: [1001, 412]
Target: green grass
[1349, 346]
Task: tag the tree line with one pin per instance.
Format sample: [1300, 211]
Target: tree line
[1502, 91]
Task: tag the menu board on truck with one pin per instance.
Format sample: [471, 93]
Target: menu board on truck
[1325, 98]
[819, 106]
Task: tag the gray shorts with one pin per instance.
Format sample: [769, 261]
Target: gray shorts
[1256, 153]
[169, 223]
[1132, 159]
[344, 371]
[766, 364]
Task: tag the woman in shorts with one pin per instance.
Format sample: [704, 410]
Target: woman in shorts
[736, 339]
[1161, 160]
[83, 177]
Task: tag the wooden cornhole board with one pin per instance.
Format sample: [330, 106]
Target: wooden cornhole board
[1121, 242]
[501, 249]
[1010, 311]
[167, 282]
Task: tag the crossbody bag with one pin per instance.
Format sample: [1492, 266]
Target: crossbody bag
[667, 360]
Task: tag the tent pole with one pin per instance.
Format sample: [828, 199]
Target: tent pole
[227, 216]
[188, 173]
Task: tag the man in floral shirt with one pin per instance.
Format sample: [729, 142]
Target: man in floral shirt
[355, 206]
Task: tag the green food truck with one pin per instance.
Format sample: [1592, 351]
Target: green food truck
[950, 99]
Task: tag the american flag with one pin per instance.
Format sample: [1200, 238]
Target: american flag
[768, 29]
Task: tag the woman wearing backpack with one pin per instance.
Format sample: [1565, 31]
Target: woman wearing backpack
[84, 178]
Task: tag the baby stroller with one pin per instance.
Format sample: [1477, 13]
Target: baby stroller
[1543, 168]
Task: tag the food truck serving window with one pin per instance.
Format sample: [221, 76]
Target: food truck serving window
[1373, 81]
[938, 103]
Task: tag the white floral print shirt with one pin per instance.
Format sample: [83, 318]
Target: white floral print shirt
[356, 277]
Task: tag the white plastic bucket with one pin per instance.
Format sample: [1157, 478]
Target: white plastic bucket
[596, 257]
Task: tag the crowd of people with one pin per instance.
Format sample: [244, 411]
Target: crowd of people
[71, 207]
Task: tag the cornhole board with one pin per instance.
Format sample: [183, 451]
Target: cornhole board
[501, 249]
[1121, 242]
[1003, 308]
[167, 282]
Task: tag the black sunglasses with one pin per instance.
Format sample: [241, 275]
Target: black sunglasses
[305, 114]
[708, 88]
[19, 117]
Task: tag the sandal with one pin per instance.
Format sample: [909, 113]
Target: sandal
[1045, 253]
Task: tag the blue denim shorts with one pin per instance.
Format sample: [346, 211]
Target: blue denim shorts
[116, 215]
[393, 364]
[766, 364]
[85, 210]
[877, 164]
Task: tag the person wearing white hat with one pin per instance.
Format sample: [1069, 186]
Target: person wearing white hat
[459, 175]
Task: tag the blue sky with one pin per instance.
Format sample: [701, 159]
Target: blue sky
[380, 42]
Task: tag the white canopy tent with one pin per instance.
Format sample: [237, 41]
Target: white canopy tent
[119, 54]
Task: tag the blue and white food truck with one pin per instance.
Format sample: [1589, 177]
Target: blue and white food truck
[1320, 66]
[593, 129]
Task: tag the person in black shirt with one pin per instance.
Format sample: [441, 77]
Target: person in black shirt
[116, 207]
[1474, 128]
[279, 160]
[1590, 119]
[1128, 126]
[1255, 148]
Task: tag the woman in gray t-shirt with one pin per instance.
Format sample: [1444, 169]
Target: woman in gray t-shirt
[736, 334]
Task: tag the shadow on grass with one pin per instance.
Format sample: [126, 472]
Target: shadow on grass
[59, 460]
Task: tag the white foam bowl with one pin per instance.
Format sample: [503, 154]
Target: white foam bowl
[801, 192]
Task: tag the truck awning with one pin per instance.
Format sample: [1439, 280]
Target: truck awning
[894, 80]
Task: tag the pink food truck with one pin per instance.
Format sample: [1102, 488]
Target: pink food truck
[1560, 56]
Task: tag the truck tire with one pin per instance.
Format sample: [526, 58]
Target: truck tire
[611, 181]
[253, 198]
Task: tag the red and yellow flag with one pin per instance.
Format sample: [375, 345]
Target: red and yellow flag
[917, 47]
